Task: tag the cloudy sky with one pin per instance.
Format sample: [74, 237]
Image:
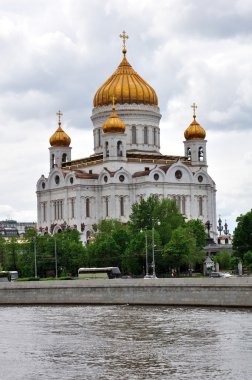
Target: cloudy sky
[55, 55]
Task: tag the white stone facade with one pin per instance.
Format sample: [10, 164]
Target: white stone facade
[124, 167]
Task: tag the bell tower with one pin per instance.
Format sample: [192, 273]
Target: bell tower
[60, 151]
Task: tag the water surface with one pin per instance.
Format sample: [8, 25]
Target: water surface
[125, 342]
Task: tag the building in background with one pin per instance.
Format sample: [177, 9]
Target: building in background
[126, 164]
[12, 228]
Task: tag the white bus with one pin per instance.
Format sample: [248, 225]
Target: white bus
[105, 272]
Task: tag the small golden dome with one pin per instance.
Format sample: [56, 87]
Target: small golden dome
[113, 124]
[127, 86]
[60, 138]
[195, 131]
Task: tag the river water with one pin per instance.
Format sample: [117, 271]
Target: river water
[125, 342]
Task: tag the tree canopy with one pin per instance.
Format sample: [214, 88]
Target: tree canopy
[242, 238]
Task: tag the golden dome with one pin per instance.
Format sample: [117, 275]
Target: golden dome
[195, 131]
[126, 86]
[113, 124]
[60, 138]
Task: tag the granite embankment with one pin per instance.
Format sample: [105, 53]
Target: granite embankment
[236, 291]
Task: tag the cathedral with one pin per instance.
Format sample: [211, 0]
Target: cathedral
[126, 164]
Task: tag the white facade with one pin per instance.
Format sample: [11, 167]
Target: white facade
[125, 166]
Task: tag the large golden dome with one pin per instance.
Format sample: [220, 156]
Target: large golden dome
[60, 138]
[195, 131]
[126, 86]
[113, 124]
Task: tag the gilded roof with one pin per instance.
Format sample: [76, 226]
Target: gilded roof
[113, 124]
[126, 86]
[195, 131]
[60, 138]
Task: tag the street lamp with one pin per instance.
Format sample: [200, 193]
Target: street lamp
[154, 221]
[146, 255]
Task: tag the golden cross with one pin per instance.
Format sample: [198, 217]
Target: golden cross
[124, 37]
[59, 113]
[194, 106]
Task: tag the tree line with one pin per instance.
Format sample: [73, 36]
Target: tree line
[154, 225]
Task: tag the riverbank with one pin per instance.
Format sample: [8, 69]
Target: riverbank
[227, 292]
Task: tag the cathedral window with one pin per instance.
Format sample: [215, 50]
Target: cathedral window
[156, 176]
[200, 206]
[189, 154]
[64, 157]
[178, 174]
[200, 178]
[71, 180]
[44, 211]
[121, 206]
[99, 137]
[57, 179]
[43, 185]
[106, 206]
[133, 131]
[72, 204]
[121, 178]
[154, 136]
[58, 209]
[183, 205]
[145, 135]
[119, 149]
[87, 207]
[52, 161]
[106, 149]
[201, 154]
[105, 178]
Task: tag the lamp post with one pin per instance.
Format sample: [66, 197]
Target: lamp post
[146, 255]
[35, 257]
[153, 247]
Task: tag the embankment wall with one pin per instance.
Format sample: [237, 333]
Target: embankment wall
[228, 292]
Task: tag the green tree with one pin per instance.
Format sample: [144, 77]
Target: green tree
[143, 213]
[110, 244]
[242, 239]
[2, 250]
[198, 230]
[224, 260]
[180, 251]
[247, 258]
[12, 248]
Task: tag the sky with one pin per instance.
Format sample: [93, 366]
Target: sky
[56, 54]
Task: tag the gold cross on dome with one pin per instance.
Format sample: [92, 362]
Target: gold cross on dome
[59, 113]
[124, 37]
[194, 106]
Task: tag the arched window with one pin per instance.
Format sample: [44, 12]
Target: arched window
[133, 131]
[145, 135]
[87, 207]
[106, 149]
[99, 137]
[183, 205]
[106, 206]
[121, 206]
[119, 149]
[52, 161]
[72, 207]
[189, 154]
[200, 206]
[64, 157]
[201, 154]
[154, 137]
